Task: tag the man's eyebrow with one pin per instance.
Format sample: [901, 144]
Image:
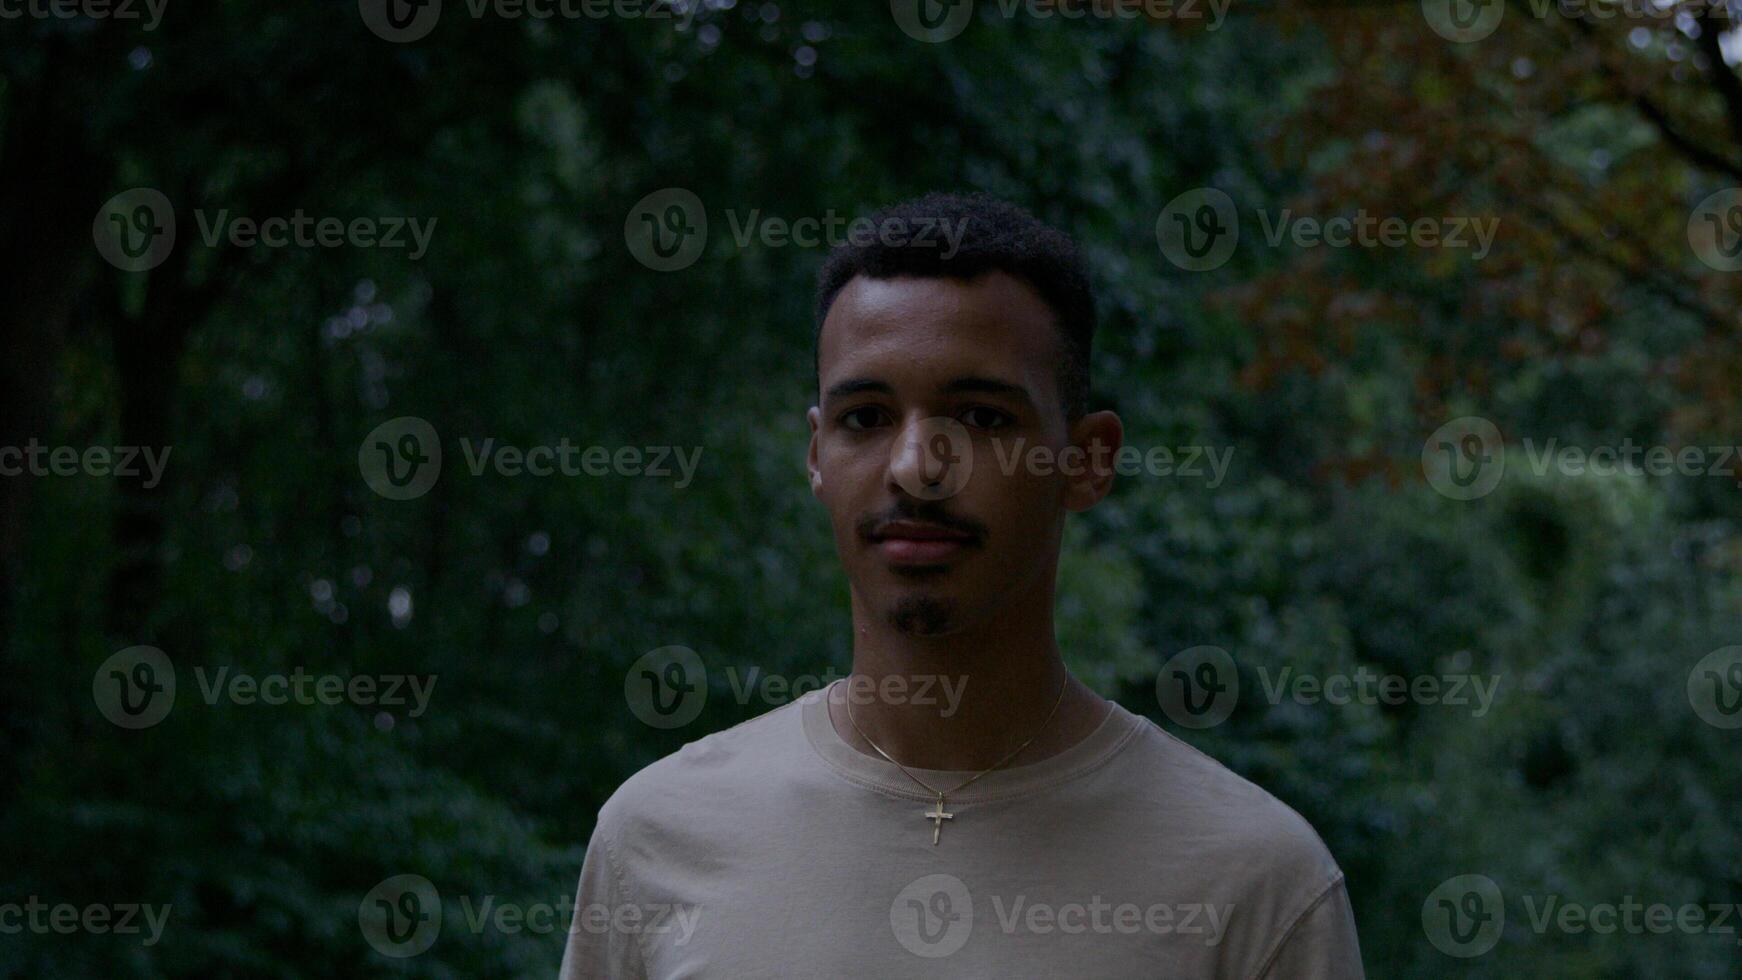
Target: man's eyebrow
[963, 385]
[853, 386]
[986, 386]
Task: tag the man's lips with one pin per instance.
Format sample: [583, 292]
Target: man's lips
[919, 542]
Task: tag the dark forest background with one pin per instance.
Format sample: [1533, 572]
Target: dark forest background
[1597, 317]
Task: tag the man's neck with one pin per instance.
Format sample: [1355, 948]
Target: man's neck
[966, 701]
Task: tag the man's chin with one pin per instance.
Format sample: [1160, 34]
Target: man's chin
[924, 615]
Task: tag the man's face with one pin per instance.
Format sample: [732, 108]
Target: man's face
[934, 392]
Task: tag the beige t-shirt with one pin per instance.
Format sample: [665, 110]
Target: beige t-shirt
[775, 849]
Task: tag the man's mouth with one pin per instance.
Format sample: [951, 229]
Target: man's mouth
[907, 542]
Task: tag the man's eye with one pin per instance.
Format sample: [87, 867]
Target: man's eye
[981, 417]
[861, 418]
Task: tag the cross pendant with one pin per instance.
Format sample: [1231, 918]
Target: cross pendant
[937, 816]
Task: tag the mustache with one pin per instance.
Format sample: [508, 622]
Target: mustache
[929, 511]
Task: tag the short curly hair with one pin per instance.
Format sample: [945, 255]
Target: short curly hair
[995, 234]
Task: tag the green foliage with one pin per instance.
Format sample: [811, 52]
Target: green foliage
[529, 322]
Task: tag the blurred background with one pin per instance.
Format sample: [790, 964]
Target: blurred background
[1414, 427]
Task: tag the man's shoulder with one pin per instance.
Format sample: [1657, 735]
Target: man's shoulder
[1201, 805]
[710, 771]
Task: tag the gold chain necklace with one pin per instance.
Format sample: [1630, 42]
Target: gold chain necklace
[938, 815]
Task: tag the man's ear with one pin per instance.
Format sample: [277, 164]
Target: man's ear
[815, 416]
[1099, 435]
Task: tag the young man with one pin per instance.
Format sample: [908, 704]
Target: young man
[1010, 822]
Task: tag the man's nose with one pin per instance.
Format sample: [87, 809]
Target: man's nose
[928, 458]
